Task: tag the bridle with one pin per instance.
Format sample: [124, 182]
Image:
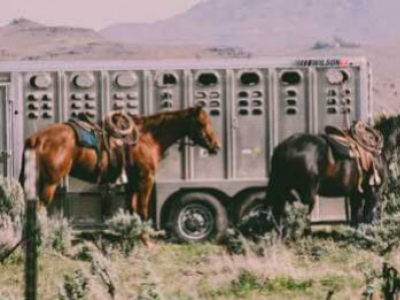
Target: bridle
[195, 135]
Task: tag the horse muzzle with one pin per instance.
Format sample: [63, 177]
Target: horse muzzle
[214, 149]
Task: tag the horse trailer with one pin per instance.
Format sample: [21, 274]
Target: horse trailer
[253, 103]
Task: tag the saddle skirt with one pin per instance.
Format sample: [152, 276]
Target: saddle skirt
[361, 143]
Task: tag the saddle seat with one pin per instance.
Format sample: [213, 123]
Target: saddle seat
[111, 136]
[361, 143]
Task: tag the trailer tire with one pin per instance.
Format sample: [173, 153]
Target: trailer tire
[198, 217]
[250, 204]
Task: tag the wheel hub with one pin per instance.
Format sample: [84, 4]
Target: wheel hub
[196, 221]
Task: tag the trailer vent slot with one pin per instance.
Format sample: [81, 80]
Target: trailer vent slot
[243, 111]
[46, 115]
[290, 78]
[166, 95]
[207, 79]
[214, 95]
[346, 110]
[331, 101]
[332, 93]
[33, 106]
[202, 103]
[90, 96]
[47, 106]
[167, 79]
[215, 113]
[243, 103]
[201, 95]
[257, 112]
[346, 101]
[243, 94]
[215, 104]
[291, 93]
[257, 103]
[33, 97]
[132, 104]
[291, 111]
[76, 105]
[257, 94]
[250, 79]
[33, 115]
[46, 97]
[332, 110]
[347, 91]
[166, 104]
[291, 102]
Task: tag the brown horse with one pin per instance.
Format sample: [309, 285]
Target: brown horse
[58, 154]
[303, 164]
[157, 134]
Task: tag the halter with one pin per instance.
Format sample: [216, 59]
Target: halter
[195, 137]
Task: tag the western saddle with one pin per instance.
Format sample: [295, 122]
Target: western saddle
[361, 143]
[112, 135]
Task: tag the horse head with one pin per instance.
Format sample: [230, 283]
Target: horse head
[201, 130]
[389, 126]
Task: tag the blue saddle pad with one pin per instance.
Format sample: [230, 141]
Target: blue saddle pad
[86, 138]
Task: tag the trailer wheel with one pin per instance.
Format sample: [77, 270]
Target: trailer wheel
[197, 217]
[249, 205]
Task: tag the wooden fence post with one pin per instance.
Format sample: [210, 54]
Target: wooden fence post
[31, 226]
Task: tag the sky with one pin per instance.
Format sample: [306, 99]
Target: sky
[95, 14]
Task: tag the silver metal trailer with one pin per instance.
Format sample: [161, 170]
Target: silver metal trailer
[254, 104]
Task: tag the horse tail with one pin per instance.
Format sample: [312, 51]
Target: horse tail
[30, 144]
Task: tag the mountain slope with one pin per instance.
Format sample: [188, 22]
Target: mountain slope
[254, 22]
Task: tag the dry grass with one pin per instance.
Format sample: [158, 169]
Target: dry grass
[208, 272]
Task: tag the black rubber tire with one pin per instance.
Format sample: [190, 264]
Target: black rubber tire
[199, 207]
[250, 203]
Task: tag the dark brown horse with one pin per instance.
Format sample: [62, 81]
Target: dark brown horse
[303, 165]
[59, 154]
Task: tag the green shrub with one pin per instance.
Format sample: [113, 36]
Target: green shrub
[56, 235]
[12, 199]
[74, 287]
[248, 282]
[101, 268]
[126, 230]
[259, 230]
[84, 252]
[12, 210]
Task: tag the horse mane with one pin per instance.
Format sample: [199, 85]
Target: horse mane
[149, 123]
[386, 124]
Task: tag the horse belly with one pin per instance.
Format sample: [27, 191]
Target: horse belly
[339, 183]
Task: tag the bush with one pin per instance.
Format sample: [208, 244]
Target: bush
[12, 210]
[259, 230]
[101, 268]
[12, 201]
[74, 287]
[126, 230]
[56, 235]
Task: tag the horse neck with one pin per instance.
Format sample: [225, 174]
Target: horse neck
[167, 128]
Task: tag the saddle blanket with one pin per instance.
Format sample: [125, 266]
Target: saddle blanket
[86, 137]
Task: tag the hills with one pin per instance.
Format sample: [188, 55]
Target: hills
[232, 28]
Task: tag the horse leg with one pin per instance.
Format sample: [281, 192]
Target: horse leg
[277, 195]
[308, 194]
[371, 196]
[145, 188]
[131, 190]
[356, 209]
